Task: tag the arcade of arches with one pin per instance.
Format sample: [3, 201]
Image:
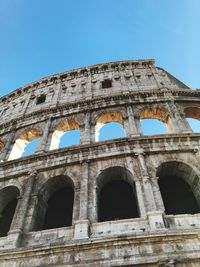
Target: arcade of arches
[113, 119]
[116, 197]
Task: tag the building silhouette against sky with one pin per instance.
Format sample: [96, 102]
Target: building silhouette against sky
[82, 182]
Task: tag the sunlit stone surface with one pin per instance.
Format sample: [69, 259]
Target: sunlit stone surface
[130, 201]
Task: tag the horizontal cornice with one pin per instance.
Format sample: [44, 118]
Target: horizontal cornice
[148, 145]
[158, 95]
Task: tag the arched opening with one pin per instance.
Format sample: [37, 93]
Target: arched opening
[192, 115]
[8, 202]
[152, 127]
[116, 193]
[55, 204]
[70, 138]
[155, 121]
[31, 147]
[67, 134]
[25, 144]
[194, 125]
[179, 188]
[109, 126]
[41, 99]
[111, 130]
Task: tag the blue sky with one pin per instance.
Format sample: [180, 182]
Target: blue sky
[43, 37]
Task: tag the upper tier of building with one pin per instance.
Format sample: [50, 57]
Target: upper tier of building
[86, 83]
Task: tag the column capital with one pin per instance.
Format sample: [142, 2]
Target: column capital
[84, 161]
[139, 152]
[33, 173]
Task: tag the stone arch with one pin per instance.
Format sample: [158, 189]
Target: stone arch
[180, 187]
[8, 202]
[192, 112]
[55, 203]
[22, 140]
[13, 183]
[159, 114]
[116, 194]
[64, 126]
[107, 117]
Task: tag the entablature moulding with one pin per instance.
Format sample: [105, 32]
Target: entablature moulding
[165, 144]
[90, 105]
[82, 72]
[173, 241]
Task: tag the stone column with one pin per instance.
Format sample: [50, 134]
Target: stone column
[154, 216]
[186, 125]
[85, 129]
[179, 124]
[134, 130]
[157, 194]
[81, 227]
[8, 146]
[43, 144]
[93, 132]
[18, 222]
[138, 188]
[58, 90]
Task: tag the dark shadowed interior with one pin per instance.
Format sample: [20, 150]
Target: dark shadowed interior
[117, 201]
[7, 216]
[177, 196]
[59, 211]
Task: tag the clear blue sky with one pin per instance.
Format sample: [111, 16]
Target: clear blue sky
[43, 37]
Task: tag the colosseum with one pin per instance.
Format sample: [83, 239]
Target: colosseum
[127, 201]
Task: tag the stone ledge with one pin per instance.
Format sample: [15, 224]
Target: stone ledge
[105, 149]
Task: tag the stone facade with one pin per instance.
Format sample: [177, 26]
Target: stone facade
[86, 99]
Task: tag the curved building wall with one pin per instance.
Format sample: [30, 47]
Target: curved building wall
[86, 99]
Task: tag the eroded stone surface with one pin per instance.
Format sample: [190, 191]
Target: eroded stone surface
[76, 100]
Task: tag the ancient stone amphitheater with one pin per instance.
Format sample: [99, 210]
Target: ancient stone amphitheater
[130, 201]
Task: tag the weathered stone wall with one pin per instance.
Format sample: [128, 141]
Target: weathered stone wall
[139, 91]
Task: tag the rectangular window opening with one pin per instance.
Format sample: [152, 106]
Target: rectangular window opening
[107, 83]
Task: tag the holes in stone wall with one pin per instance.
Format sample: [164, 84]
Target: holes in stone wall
[70, 138]
[152, 127]
[66, 134]
[55, 204]
[116, 195]
[8, 203]
[19, 148]
[109, 126]
[41, 99]
[177, 196]
[59, 211]
[107, 83]
[177, 185]
[193, 117]
[155, 121]
[31, 147]
[110, 131]
[194, 125]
